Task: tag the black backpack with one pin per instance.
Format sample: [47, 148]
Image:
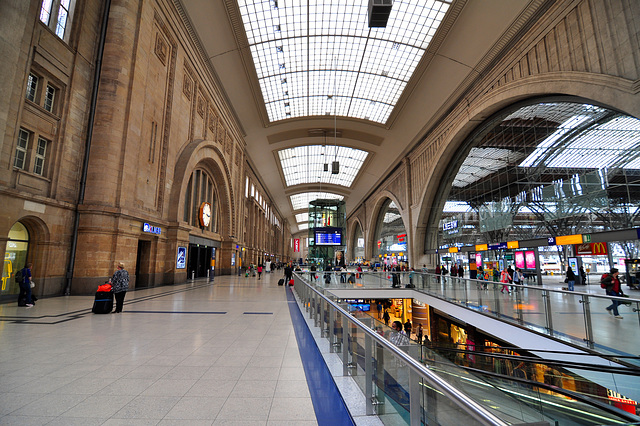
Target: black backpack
[19, 276]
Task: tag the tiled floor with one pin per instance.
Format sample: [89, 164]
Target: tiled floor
[194, 354]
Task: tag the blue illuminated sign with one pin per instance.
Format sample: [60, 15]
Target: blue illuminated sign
[151, 229]
[551, 241]
[181, 261]
[497, 246]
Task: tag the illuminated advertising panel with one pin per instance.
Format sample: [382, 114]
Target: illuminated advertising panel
[530, 259]
[520, 259]
[478, 259]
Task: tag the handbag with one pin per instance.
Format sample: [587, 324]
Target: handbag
[32, 284]
[566, 280]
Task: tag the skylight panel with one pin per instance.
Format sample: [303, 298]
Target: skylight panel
[603, 146]
[456, 207]
[302, 226]
[302, 217]
[481, 162]
[305, 51]
[305, 164]
[301, 201]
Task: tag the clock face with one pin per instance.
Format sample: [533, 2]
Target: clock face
[205, 214]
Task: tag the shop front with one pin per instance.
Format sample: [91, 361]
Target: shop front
[201, 258]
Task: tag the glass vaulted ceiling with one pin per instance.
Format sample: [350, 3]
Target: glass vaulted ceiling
[319, 57]
[305, 164]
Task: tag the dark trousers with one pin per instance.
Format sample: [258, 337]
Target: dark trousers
[25, 290]
[119, 300]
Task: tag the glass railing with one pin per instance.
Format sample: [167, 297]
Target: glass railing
[533, 307]
[418, 386]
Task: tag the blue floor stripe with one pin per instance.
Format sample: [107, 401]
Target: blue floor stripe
[328, 404]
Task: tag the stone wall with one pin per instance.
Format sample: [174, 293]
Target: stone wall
[583, 48]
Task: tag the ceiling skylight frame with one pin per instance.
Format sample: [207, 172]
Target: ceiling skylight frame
[319, 57]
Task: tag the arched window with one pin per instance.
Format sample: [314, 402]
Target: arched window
[542, 169]
[15, 257]
[200, 190]
[358, 243]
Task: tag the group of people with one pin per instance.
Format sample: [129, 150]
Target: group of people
[119, 286]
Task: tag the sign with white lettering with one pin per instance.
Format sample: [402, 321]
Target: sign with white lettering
[151, 229]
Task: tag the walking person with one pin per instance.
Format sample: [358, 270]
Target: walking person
[25, 286]
[571, 278]
[505, 278]
[407, 328]
[259, 271]
[419, 333]
[386, 317]
[612, 286]
[119, 286]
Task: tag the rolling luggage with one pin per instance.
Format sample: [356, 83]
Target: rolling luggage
[103, 303]
[281, 281]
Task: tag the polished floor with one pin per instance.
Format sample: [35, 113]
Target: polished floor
[196, 354]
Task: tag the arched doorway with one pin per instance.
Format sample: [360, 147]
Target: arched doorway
[15, 257]
[390, 236]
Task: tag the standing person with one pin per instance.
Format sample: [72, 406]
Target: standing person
[398, 337]
[379, 308]
[25, 285]
[510, 271]
[386, 317]
[288, 273]
[312, 273]
[571, 278]
[407, 328]
[583, 276]
[395, 276]
[259, 270]
[419, 333]
[437, 272]
[518, 278]
[119, 286]
[505, 278]
[612, 286]
[461, 271]
[411, 274]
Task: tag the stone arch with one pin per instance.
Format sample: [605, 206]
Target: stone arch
[369, 231]
[207, 154]
[351, 232]
[607, 91]
[38, 253]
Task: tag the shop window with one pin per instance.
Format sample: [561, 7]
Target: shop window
[32, 87]
[56, 14]
[15, 257]
[21, 149]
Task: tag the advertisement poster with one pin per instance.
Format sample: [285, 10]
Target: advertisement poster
[530, 259]
[181, 260]
[478, 259]
[520, 259]
[296, 245]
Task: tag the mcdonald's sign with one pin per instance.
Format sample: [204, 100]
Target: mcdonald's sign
[591, 249]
